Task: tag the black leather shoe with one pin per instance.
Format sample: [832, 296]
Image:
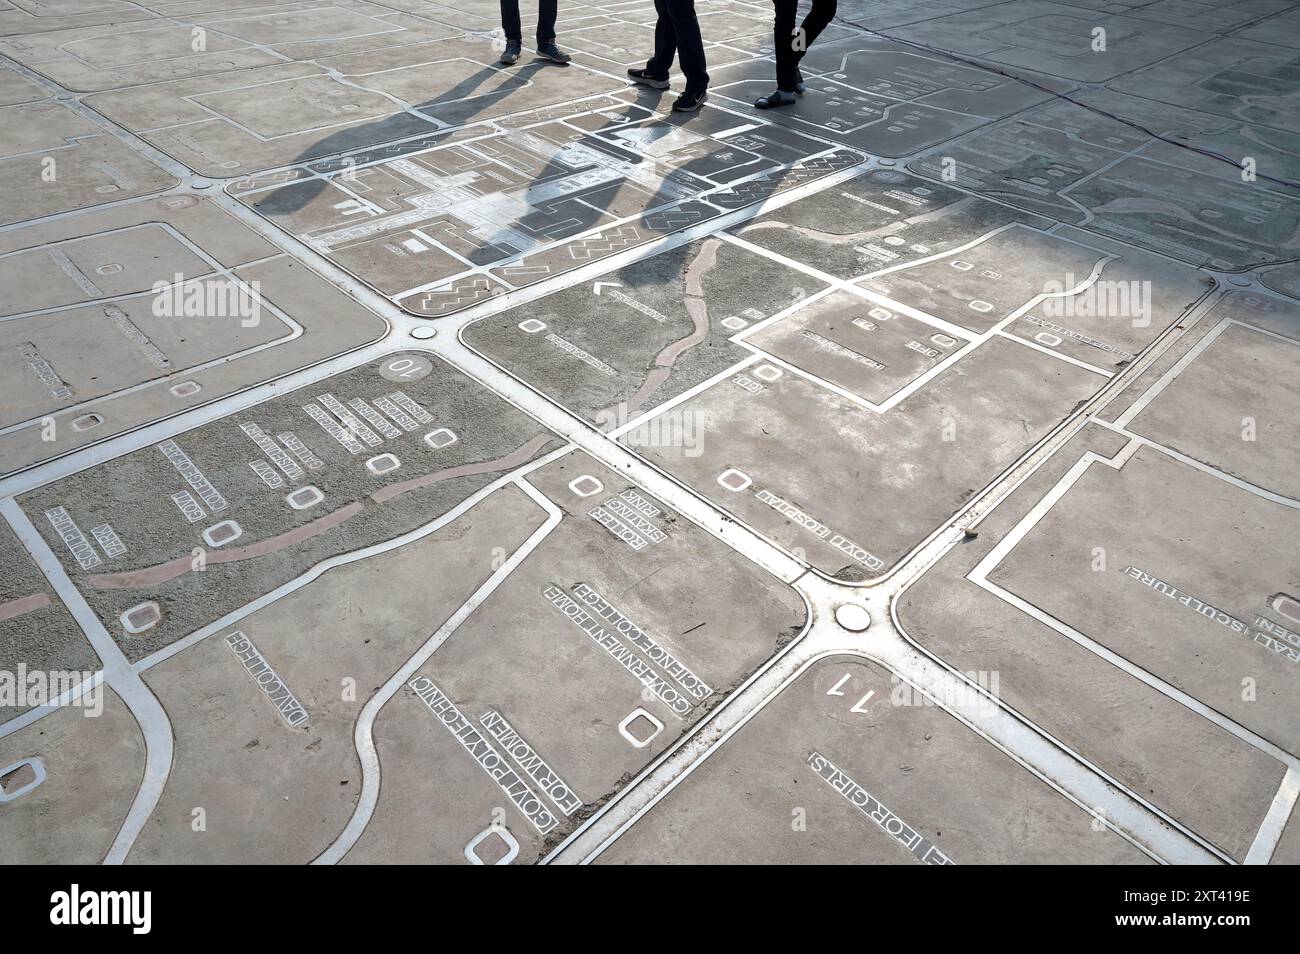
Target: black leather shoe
[689, 102]
[510, 55]
[550, 51]
[645, 79]
[778, 97]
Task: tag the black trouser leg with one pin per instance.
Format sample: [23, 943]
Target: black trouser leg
[665, 43]
[510, 20]
[546, 12]
[690, 45]
[785, 43]
[819, 17]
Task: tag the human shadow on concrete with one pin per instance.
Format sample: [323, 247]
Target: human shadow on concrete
[328, 152]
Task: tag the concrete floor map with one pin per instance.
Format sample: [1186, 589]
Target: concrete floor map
[409, 456]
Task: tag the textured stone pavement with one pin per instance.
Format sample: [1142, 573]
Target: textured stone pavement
[405, 457]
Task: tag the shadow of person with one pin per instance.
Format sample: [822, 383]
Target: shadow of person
[397, 126]
[552, 214]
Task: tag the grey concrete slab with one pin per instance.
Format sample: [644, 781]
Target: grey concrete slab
[1054, 38]
[647, 611]
[18, 17]
[408, 224]
[1211, 16]
[1248, 81]
[887, 98]
[16, 90]
[246, 503]
[110, 57]
[1080, 167]
[1146, 582]
[473, 17]
[1100, 305]
[820, 475]
[859, 770]
[366, 619]
[931, 264]
[240, 122]
[91, 769]
[1234, 405]
[1284, 279]
[855, 344]
[1135, 297]
[1282, 29]
[52, 160]
[1288, 846]
[877, 220]
[139, 312]
[884, 14]
[640, 335]
[581, 251]
[1208, 779]
[36, 631]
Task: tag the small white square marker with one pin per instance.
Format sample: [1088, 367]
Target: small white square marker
[586, 485]
[440, 438]
[734, 480]
[640, 728]
[305, 497]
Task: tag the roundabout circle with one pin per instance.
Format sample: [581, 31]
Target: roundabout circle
[852, 617]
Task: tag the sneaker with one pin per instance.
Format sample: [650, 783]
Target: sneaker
[689, 102]
[510, 55]
[645, 79]
[553, 53]
[778, 97]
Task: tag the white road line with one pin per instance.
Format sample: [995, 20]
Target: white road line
[979, 576]
[1266, 839]
[363, 733]
[341, 559]
[1204, 468]
[144, 706]
[36, 713]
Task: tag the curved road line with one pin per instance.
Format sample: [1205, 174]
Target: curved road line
[143, 705]
[698, 309]
[363, 737]
[162, 572]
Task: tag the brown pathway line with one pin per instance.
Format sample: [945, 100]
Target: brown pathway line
[699, 312]
[12, 609]
[182, 564]
[516, 457]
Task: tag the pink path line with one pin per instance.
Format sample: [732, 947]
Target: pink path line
[699, 312]
[130, 579]
[520, 456]
[23, 605]
[161, 573]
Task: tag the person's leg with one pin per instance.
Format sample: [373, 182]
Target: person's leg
[546, 13]
[665, 43]
[690, 45]
[510, 21]
[819, 17]
[785, 43]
